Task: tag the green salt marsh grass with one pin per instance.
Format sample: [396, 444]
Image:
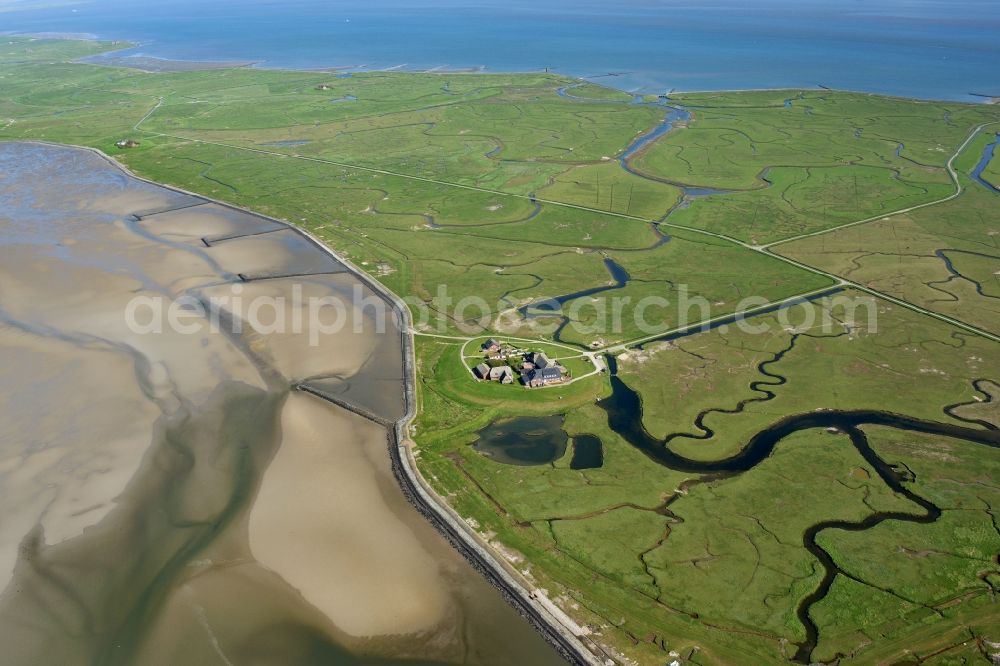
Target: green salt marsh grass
[725, 570]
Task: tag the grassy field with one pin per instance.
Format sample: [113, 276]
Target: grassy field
[508, 189]
[887, 347]
[229, 134]
[923, 579]
[943, 258]
[800, 162]
[663, 561]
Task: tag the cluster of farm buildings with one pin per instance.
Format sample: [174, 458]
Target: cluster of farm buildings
[506, 364]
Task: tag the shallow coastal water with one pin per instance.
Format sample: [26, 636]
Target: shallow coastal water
[169, 498]
[942, 49]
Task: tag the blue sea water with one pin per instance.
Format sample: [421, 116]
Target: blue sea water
[943, 49]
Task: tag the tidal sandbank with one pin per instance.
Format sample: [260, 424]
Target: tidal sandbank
[174, 498]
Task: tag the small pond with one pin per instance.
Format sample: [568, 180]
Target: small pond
[537, 440]
[587, 452]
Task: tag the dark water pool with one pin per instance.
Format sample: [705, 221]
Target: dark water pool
[588, 453]
[524, 440]
[537, 440]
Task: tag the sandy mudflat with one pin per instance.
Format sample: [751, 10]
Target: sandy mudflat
[49, 475]
[279, 309]
[206, 220]
[169, 498]
[325, 522]
[272, 254]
